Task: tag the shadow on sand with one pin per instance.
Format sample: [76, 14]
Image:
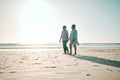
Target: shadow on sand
[98, 60]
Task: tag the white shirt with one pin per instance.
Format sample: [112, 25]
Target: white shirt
[64, 35]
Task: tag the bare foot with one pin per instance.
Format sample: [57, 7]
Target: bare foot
[70, 53]
[67, 51]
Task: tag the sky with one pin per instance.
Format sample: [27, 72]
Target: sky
[41, 21]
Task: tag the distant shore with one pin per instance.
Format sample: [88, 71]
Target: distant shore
[56, 45]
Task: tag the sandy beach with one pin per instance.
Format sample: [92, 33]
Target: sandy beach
[88, 64]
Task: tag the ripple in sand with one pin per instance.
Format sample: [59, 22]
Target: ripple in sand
[36, 59]
[95, 65]
[88, 74]
[24, 57]
[68, 65]
[50, 66]
[110, 70]
[1, 72]
[36, 63]
[20, 62]
[13, 72]
[55, 56]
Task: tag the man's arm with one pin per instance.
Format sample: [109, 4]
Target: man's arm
[67, 36]
[60, 38]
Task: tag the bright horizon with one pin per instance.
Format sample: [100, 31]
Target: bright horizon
[41, 21]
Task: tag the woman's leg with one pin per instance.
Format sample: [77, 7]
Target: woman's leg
[75, 48]
[70, 48]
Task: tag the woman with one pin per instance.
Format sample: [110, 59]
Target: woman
[73, 39]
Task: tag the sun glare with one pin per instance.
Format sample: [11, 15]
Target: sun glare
[37, 21]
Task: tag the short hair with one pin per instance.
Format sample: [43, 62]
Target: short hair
[64, 26]
[74, 25]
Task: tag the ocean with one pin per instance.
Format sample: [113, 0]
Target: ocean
[56, 46]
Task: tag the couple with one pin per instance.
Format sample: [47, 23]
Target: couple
[72, 38]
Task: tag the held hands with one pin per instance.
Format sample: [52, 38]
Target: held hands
[59, 40]
[67, 39]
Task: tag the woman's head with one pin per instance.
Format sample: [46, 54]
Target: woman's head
[73, 26]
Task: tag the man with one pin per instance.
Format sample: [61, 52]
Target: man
[64, 37]
[73, 39]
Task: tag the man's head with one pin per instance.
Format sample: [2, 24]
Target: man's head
[73, 26]
[64, 27]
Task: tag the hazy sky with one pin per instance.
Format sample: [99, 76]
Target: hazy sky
[41, 21]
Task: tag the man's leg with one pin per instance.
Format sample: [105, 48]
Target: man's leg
[64, 46]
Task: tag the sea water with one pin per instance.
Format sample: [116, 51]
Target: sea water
[56, 45]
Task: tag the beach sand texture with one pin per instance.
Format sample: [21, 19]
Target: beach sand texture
[88, 64]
